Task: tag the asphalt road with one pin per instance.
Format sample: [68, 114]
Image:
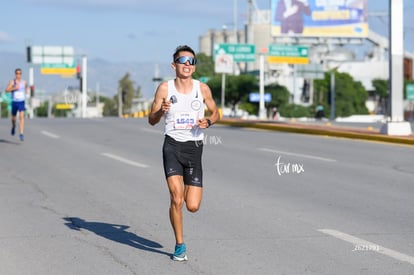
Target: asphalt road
[89, 197]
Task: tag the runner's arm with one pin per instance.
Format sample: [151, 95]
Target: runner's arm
[159, 105]
[211, 106]
[10, 87]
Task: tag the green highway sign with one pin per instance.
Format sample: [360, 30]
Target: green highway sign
[240, 52]
[291, 50]
[410, 91]
[291, 54]
[53, 65]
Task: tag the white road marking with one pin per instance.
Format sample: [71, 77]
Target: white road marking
[124, 160]
[49, 134]
[149, 130]
[363, 243]
[297, 155]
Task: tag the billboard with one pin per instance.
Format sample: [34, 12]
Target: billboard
[319, 18]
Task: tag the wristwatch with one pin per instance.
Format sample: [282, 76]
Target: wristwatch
[208, 122]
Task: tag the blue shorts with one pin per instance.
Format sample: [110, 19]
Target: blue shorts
[18, 106]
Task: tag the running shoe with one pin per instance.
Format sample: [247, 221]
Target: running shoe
[180, 253]
[13, 131]
[21, 136]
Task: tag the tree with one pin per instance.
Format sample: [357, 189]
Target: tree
[110, 106]
[237, 88]
[381, 90]
[138, 92]
[350, 96]
[280, 95]
[5, 104]
[126, 87]
[4, 109]
[42, 110]
[205, 66]
[280, 99]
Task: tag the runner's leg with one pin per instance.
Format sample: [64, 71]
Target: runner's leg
[175, 186]
[192, 197]
[21, 122]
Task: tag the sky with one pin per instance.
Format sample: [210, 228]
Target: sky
[136, 30]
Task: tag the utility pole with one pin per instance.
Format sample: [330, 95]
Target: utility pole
[249, 30]
[120, 102]
[396, 125]
[84, 86]
[332, 93]
[236, 39]
[262, 110]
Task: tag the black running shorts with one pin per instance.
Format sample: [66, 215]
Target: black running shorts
[184, 159]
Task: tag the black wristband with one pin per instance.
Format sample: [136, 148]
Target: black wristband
[208, 122]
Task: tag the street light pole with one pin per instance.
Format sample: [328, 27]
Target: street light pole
[396, 125]
[262, 110]
[332, 93]
[84, 85]
[223, 90]
[120, 102]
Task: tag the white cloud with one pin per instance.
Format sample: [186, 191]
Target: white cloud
[4, 37]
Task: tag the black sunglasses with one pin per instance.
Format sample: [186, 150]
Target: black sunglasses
[184, 59]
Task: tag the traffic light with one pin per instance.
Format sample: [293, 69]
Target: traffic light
[29, 54]
[80, 84]
[78, 72]
[79, 76]
[32, 91]
[124, 93]
[305, 91]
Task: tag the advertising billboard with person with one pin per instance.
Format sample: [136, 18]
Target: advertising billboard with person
[316, 18]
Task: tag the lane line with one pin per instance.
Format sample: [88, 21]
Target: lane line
[149, 130]
[297, 155]
[124, 160]
[49, 134]
[363, 243]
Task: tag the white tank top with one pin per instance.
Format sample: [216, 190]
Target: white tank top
[181, 119]
[20, 94]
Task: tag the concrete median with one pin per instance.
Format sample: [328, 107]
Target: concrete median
[324, 130]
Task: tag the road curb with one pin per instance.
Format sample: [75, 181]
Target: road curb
[351, 133]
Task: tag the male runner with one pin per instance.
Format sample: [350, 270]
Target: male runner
[18, 87]
[182, 102]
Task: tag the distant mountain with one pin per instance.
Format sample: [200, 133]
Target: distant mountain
[102, 75]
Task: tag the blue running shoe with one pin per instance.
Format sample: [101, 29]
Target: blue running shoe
[13, 131]
[180, 253]
[21, 136]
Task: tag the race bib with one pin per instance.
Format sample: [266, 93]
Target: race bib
[184, 120]
[18, 95]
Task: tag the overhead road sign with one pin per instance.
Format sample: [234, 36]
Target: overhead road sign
[310, 71]
[61, 69]
[292, 54]
[240, 52]
[51, 54]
